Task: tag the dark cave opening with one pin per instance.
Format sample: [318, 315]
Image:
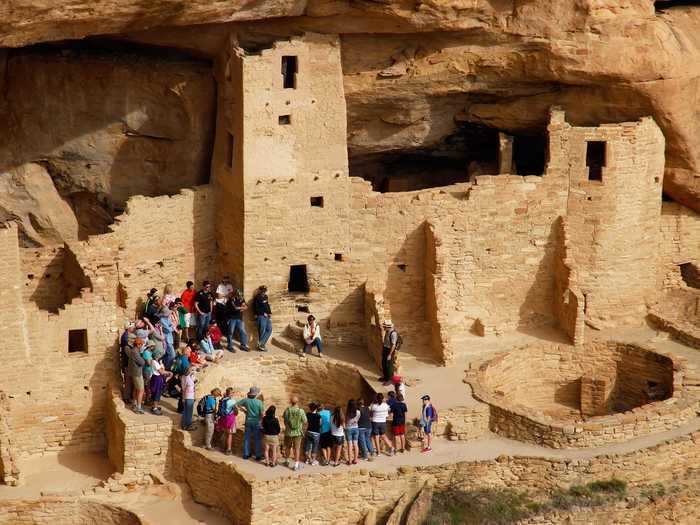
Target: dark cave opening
[473, 149]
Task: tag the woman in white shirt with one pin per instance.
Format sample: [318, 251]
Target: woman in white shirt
[379, 411]
[338, 433]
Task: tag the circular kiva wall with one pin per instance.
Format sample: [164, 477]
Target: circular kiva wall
[63, 511]
[279, 377]
[561, 396]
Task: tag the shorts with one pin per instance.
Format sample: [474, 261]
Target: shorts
[326, 440]
[398, 430]
[378, 429]
[353, 434]
[137, 382]
[271, 440]
[338, 440]
[293, 442]
[427, 428]
[226, 424]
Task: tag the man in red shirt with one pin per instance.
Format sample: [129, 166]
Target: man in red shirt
[188, 302]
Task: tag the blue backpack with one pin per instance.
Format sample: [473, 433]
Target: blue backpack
[206, 405]
[224, 409]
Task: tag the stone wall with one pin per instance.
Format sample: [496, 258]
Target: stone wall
[275, 502]
[138, 445]
[64, 511]
[679, 241]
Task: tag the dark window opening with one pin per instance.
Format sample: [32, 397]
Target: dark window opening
[662, 5]
[401, 267]
[338, 257]
[290, 66]
[317, 202]
[691, 275]
[303, 308]
[595, 159]
[229, 150]
[284, 120]
[665, 197]
[77, 341]
[530, 154]
[298, 280]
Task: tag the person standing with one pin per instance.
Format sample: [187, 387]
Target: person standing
[338, 433]
[365, 428]
[326, 441]
[391, 338]
[235, 306]
[271, 432]
[187, 298]
[398, 423]
[263, 317]
[313, 434]
[379, 411]
[188, 395]
[222, 294]
[202, 305]
[428, 416]
[226, 421]
[294, 421]
[210, 411]
[253, 409]
[136, 364]
[352, 419]
[312, 336]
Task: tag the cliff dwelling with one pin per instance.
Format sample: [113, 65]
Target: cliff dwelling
[342, 262]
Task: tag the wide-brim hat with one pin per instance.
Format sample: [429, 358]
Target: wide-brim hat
[254, 391]
[388, 322]
[426, 397]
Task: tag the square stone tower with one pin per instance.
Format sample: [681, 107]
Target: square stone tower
[281, 166]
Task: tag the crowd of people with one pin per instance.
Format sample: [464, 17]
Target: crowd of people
[321, 434]
[175, 336]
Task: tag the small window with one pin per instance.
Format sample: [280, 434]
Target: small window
[595, 159]
[338, 257]
[289, 72]
[303, 308]
[401, 267]
[298, 280]
[229, 150]
[317, 202]
[77, 341]
[284, 120]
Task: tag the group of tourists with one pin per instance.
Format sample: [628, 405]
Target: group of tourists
[176, 335]
[320, 434]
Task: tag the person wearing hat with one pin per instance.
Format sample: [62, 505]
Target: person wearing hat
[312, 336]
[391, 337]
[254, 410]
[235, 306]
[263, 317]
[428, 415]
[223, 292]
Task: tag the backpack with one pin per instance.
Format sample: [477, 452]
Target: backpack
[434, 417]
[399, 340]
[202, 406]
[222, 408]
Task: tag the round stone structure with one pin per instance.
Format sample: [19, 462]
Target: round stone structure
[562, 396]
[65, 511]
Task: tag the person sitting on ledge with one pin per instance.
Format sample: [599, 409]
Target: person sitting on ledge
[312, 336]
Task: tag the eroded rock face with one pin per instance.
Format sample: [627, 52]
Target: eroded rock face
[415, 75]
[108, 123]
